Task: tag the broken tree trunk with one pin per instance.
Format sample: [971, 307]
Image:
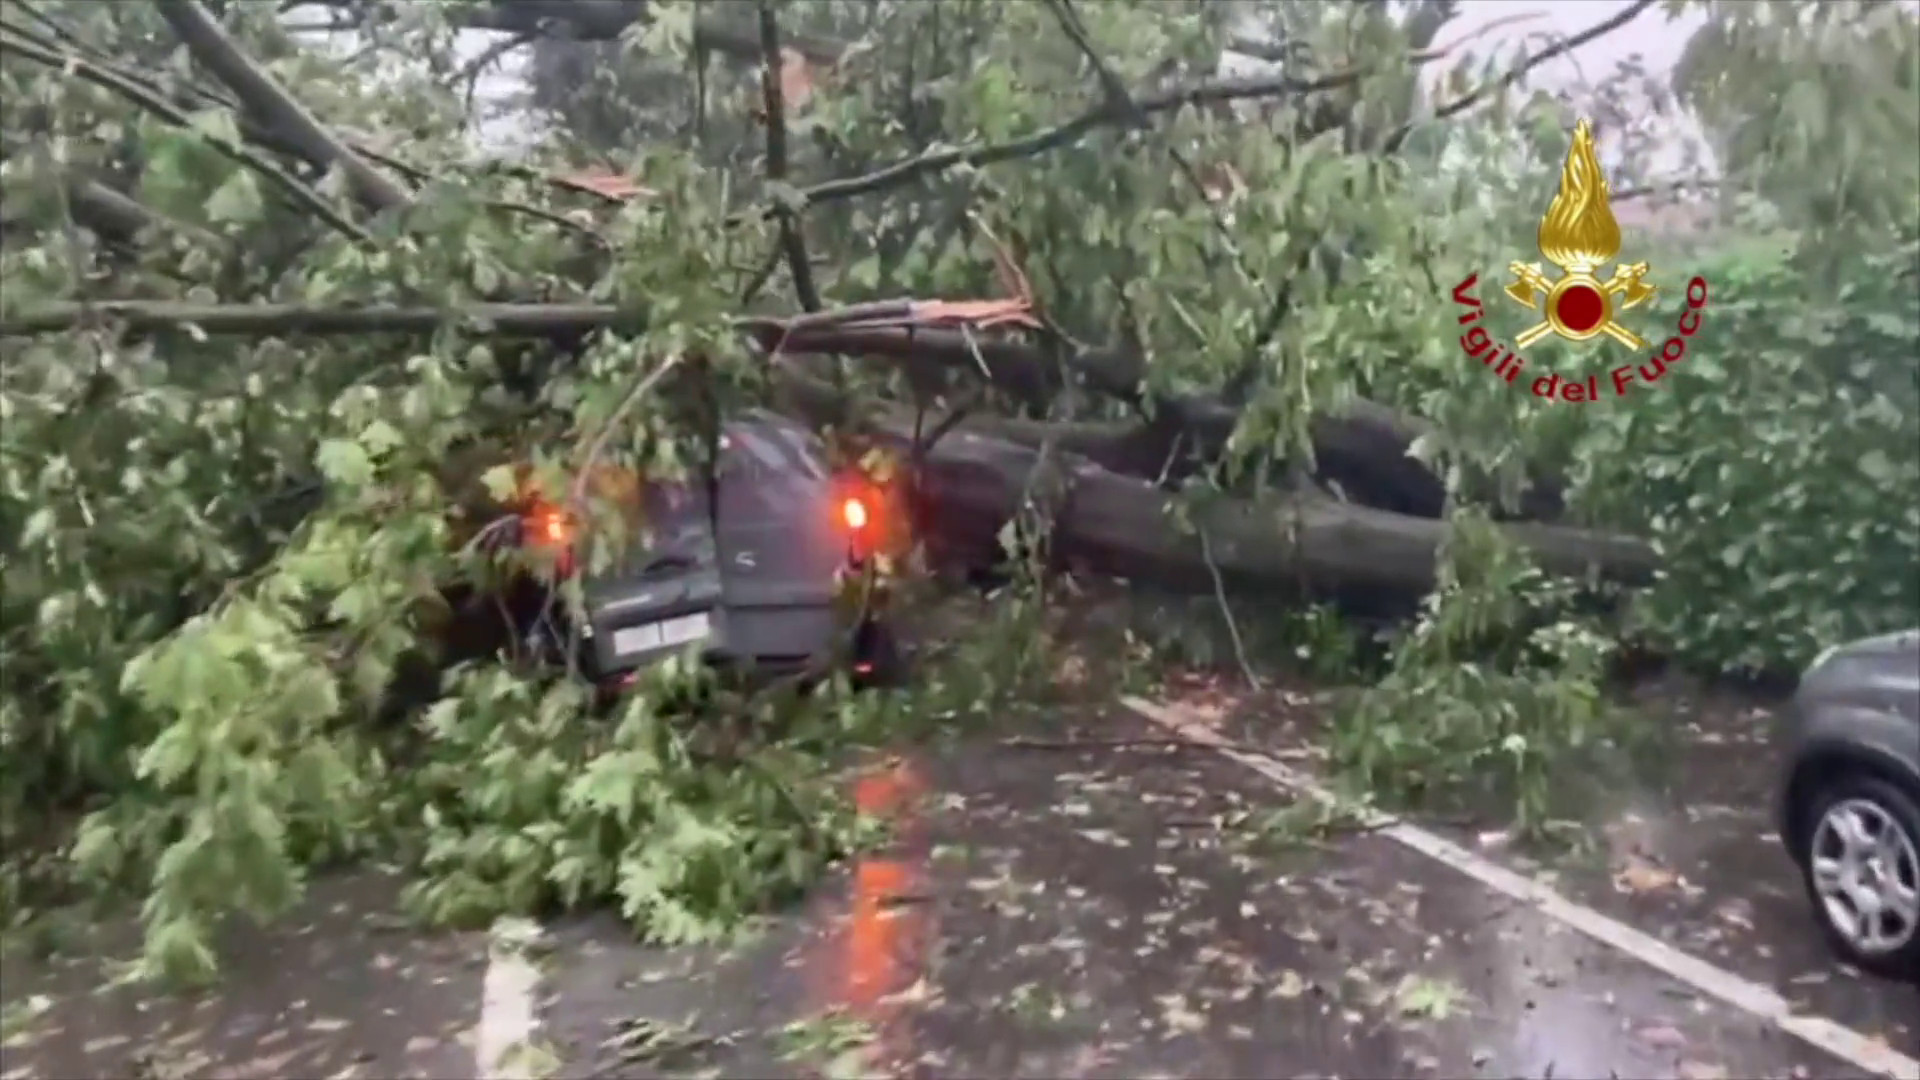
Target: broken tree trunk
[969, 484]
[1363, 447]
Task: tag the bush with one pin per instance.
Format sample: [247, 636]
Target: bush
[1491, 693]
[1778, 469]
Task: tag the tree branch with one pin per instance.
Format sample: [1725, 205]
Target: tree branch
[773, 95]
[1669, 189]
[1363, 447]
[289, 320]
[273, 106]
[1117, 94]
[1105, 114]
[1519, 71]
[1208, 92]
[111, 213]
[604, 20]
[132, 91]
[476, 69]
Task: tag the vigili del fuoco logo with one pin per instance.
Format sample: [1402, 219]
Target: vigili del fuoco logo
[1579, 235]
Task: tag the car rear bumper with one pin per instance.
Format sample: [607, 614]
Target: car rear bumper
[776, 638]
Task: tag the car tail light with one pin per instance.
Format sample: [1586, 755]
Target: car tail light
[550, 529]
[853, 512]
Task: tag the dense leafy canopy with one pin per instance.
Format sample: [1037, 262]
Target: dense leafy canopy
[231, 529]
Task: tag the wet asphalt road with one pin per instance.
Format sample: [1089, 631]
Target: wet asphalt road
[1684, 849]
[1084, 899]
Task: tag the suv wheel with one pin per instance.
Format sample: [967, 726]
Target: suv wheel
[1861, 859]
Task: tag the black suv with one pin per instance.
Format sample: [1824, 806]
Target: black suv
[747, 570]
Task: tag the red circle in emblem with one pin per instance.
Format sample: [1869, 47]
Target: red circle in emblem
[1581, 308]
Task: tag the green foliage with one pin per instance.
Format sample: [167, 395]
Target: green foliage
[1814, 106]
[529, 804]
[1777, 468]
[1491, 694]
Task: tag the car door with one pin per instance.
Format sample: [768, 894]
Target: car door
[778, 542]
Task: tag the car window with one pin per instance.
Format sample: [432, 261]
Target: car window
[675, 518]
[767, 470]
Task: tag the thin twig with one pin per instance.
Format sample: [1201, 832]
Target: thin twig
[1519, 71]
[1226, 609]
[1072, 131]
[1208, 92]
[1670, 188]
[760, 277]
[517, 320]
[951, 420]
[1025, 743]
[598, 447]
[1118, 95]
[476, 69]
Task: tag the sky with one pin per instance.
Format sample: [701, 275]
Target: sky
[1486, 27]
[1500, 29]
[1653, 36]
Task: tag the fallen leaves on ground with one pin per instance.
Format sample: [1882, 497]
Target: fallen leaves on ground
[1644, 877]
[1662, 1037]
[1429, 999]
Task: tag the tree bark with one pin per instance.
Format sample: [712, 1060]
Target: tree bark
[969, 484]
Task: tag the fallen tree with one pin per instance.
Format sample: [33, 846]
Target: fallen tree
[1364, 449]
[976, 477]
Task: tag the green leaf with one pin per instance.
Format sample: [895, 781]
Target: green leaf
[381, 437]
[39, 526]
[865, 274]
[344, 462]
[237, 201]
[502, 483]
[216, 122]
[1877, 467]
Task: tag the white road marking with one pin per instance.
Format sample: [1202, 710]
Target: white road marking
[1860, 1051]
[503, 1042]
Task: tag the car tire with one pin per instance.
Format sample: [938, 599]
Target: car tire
[1878, 805]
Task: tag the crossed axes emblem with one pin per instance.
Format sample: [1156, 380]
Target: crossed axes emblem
[1532, 289]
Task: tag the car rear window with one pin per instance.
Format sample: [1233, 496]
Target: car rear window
[675, 518]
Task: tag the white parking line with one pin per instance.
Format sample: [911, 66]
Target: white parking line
[503, 1046]
[1871, 1055]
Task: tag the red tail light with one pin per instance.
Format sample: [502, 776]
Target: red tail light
[551, 530]
[854, 513]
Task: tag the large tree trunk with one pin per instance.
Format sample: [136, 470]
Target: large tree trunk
[969, 483]
[1362, 448]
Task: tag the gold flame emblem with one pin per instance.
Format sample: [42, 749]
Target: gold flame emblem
[1579, 235]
